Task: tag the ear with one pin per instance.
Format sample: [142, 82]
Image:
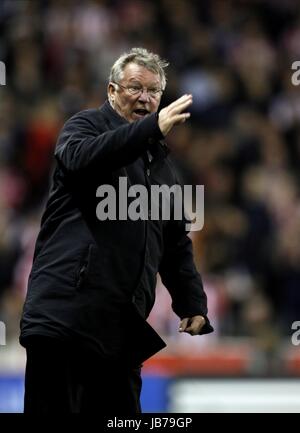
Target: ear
[111, 90]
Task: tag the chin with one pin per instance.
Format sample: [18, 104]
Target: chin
[136, 116]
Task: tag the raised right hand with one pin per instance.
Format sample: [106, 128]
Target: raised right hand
[173, 114]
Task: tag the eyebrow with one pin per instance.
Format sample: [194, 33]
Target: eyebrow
[152, 85]
[135, 81]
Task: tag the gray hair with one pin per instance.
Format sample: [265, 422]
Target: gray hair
[142, 57]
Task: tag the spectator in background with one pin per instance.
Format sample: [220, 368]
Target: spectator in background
[57, 55]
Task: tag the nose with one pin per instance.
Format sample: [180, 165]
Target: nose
[144, 97]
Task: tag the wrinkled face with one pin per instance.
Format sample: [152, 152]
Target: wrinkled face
[135, 106]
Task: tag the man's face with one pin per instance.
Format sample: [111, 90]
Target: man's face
[134, 107]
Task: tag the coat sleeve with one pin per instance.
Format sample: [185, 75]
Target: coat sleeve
[80, 146]
[180, 276]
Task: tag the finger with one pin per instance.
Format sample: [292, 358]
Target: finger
[179, 108]
[192, 330]
[180, 118]
[176, 108]
[183, 325]
[195, 326]
[180, 100]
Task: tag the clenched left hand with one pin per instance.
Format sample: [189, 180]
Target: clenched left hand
[192, 325]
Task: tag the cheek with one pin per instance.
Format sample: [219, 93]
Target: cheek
[127, 103]
[127, 107]
[155, 105]
[123, 104]
[130, 106]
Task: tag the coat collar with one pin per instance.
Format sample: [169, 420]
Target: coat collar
[115, 120]
[111, 115]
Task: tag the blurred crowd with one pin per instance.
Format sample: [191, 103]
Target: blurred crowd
[242, 141]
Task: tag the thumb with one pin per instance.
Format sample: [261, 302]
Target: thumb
[183, 325]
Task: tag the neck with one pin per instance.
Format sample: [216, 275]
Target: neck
[111, 103]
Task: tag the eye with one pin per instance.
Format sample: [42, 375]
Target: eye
[134, 89]
[154, 91]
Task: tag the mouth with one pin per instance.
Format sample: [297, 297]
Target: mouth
[140, 112]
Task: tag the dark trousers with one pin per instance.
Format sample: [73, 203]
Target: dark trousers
[61, 378]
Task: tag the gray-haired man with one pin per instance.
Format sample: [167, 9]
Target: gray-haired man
[92, 283]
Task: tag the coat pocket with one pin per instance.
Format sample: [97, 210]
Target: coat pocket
[81, 274]
[89, 272]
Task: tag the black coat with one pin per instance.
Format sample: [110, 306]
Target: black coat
[87, 272]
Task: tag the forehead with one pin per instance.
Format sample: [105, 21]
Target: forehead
[134, 72]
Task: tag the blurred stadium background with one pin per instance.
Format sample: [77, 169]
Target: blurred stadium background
[242, 143]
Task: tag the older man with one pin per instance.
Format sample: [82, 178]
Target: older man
[92, 283]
